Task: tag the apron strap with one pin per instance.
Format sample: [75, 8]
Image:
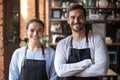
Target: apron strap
[43, 53]
[87, 42]
[25, 52]
[86, 34]
[27, 48]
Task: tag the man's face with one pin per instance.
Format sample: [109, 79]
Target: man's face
[76, 20]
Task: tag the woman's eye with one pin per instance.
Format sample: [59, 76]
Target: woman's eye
[31, 30]
[40, 30]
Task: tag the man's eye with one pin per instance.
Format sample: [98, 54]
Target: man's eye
[80, 17]
[72, 17]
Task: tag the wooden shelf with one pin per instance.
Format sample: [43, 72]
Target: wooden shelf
[111, 73]
[58, 20]
[90, 20]
[102, 8]
[102, 20]
[113, 44]
[53, 44]
[94, 8]
[58, 8]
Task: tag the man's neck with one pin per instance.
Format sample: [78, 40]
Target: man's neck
[78, 36]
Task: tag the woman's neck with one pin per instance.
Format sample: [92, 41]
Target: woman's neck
[34, 46]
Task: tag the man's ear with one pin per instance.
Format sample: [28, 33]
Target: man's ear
[67, 20]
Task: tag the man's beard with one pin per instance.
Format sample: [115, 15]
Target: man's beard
[78, 30]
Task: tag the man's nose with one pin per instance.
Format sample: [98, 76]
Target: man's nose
[76, 20]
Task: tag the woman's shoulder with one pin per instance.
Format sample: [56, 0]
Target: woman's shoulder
[49, 50]
[66, 38]
[19, 50]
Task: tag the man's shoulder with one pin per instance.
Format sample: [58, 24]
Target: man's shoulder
[96, 36]
[65, 40]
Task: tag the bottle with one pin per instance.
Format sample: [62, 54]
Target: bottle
[89, 3]
[97, 4]
[117, 4]
[103, 3]
[111, 4]
[85, 3]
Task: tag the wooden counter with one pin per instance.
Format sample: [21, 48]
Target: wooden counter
[111, 73]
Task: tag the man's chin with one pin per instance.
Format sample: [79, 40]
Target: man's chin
[78, 30]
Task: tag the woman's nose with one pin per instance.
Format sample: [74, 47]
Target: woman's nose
[35, 32]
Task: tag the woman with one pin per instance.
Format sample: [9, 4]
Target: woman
[33, 62]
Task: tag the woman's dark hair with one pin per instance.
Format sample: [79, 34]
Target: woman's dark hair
[37, 21]
[76, 6]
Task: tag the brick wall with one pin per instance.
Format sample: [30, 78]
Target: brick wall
[47, 13]
[27, 12]
[1, 42]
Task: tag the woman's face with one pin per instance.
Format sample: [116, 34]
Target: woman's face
[76, 20]
[35, 31]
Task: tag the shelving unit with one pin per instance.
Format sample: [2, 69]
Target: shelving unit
[58, 15]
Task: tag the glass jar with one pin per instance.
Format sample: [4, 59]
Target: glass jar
[103, 3]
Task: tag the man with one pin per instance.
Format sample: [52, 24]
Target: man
[82, 55]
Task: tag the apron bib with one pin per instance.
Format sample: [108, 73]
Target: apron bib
[33, 69]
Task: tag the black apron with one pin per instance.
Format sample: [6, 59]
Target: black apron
[33, 69]
[77, 55]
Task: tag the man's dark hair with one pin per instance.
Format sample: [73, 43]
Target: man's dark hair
[76, 6]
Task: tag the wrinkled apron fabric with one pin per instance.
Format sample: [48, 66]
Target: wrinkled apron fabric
[33, 70]
[79, 55]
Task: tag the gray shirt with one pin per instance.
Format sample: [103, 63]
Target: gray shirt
[18, 56]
